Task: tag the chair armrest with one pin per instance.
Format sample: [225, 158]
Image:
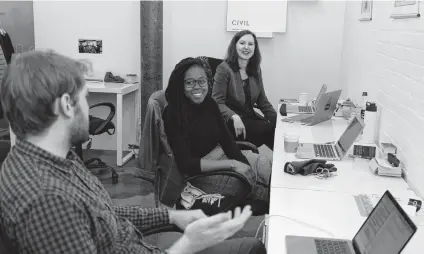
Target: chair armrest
[243, 145]
[162, 229]
[222, 172]
[110, 116]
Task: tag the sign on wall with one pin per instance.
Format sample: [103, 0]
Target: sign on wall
[257, 16]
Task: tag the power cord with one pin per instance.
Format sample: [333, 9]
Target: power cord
[300, 222]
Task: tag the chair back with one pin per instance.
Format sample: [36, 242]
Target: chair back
[213, 64]
[155, 154]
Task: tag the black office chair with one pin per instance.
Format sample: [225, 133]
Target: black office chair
[99, 126]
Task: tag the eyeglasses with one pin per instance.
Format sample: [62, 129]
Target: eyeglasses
[191, 83]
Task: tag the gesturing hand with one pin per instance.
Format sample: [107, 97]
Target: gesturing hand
[183, 218]
[207, 232]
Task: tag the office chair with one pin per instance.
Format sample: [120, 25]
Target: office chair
[99, 126]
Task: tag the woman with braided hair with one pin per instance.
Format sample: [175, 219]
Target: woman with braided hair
[199, 138]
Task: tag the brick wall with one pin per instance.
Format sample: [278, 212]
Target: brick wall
[385, 57]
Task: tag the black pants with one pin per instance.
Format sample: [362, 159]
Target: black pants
[247, 245]
[258, 131]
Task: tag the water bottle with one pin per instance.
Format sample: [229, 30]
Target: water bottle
[363, 104]
[370, 121]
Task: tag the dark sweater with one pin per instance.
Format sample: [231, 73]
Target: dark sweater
[205, 131]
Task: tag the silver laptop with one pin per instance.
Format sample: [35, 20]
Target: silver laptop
[387, 230]
[326, 106]
[335, 151]
[306, 109]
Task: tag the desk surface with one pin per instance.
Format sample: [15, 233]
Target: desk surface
[321, 214]
[353, 175]
[116, 88]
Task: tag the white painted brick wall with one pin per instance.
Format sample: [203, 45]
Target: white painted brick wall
[385, 57]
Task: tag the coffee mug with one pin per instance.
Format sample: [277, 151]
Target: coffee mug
[303, 99]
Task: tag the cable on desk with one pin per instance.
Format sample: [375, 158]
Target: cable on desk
[300, 222]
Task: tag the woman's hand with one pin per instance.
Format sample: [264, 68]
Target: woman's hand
[239, 126]
[244, 170]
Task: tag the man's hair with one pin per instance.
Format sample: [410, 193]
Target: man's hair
[32, 83]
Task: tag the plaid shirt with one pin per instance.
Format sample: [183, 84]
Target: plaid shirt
[53, 205]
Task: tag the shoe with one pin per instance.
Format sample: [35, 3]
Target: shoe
[112, 79]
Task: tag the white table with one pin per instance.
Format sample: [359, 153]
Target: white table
[120, 90]
[353, 175]
[321, 214]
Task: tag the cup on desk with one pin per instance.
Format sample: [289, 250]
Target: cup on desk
[303, 99]
[291, 142]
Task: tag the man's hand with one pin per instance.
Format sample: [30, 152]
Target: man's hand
[183, 218]
[208, 232]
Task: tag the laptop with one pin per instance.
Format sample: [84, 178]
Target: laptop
[387, 230]
[326, 106]
[306, 109]
[332, 152]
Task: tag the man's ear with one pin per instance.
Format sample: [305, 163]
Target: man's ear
[64, 106]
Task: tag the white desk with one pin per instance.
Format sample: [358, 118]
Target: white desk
[321, 214]
[353, 175]
[120, 90]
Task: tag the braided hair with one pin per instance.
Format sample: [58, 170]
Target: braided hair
[174, 93]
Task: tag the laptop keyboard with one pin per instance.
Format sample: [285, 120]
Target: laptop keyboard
[324, 151]
[305, 109]
[332, 247]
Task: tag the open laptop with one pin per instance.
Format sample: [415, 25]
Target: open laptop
[332, 152]
[387, 230]
[298, 109]
[326, 106]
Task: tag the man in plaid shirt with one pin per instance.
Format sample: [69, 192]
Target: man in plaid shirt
[50, 203]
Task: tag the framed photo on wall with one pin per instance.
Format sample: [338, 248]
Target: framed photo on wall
[406, 9]
[366, 10]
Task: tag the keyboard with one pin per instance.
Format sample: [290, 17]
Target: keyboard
[364, 204]
[325, 151]
[332, 247]
[305, 109]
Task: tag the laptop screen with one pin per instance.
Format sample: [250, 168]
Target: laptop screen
[350, 134]
[386, 230]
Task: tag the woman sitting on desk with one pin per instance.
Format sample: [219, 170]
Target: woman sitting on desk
[238, 87]
[198, 136]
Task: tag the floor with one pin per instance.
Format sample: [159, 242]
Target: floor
[131, 190]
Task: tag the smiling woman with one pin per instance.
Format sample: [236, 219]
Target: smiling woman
[238, 88]
[199, 138]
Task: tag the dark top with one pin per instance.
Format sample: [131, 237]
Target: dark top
[7, 47]
[248, 107]
[49, 204]
[205, 132]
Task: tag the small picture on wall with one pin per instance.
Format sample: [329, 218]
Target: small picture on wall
[406, 9]
[366, 10]
[86, 46]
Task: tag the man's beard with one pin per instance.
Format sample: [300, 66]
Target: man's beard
[79, 129]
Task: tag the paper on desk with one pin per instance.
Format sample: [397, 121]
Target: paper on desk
[411, 205]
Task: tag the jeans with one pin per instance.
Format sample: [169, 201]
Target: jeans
[247, 245]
